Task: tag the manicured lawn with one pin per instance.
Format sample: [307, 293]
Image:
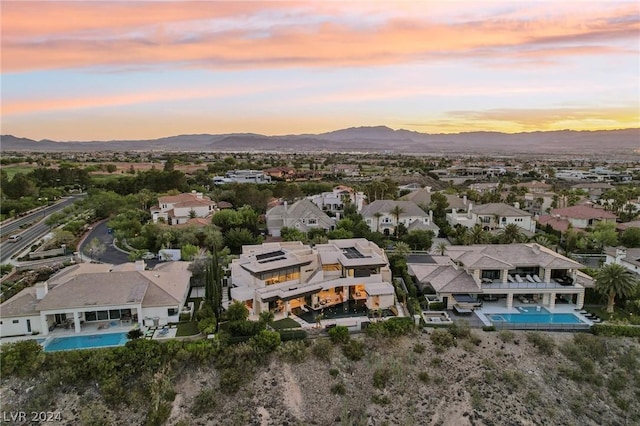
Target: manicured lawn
[284, 324]
[187, 329]
[12, 170]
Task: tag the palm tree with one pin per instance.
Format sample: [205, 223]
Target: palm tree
[396, 211]
[377, 215]
[615, 280]
[441, 248]
[510, 234]
[477, 235]
[402, 249]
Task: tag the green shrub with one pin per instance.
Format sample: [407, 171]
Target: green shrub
[423, 376]
[265, 341]
[243, 327]
[442, 339]
[185, 317]
[354, 350]
[436, 306]
[293, 351]
[21, 358]
[204, 402]
[615, 330]
[286, 335]
[338, 389]
[339, 334]
[381, 377]
[488, 328]
[136, 333]
[460, 331]
[380, 399]
[334, 372]
[506, 336]
[322, 349]
[418, 348]
[543, 343]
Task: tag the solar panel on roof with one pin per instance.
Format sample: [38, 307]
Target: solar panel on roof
[271, 259]
[270, 254]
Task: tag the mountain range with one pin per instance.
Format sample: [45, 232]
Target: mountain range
[363, 139]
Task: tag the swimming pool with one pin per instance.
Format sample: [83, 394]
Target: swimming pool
[85, 342]
[534, 316]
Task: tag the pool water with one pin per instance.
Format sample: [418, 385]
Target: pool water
[85, 342]
[533, 316]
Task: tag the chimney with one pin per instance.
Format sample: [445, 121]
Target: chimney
[454, 213]
[199, 195]
[41, 290]
[140, 265]
[516, 205]
[428, 188]
[464, 200]
[430, 216]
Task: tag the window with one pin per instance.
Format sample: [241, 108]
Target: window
[103, 315]
[16, 321]
[312, 221]
[90, 316]
[114, 314]
[172, 311]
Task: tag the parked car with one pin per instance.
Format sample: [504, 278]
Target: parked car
[15, 238]
[148, 255]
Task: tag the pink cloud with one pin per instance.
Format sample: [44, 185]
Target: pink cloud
[84, 34]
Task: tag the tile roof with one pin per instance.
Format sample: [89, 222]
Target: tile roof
[556, 223]
[583, 212]
[185, 200]
[501, 209]
[22, 304]
[409, 208]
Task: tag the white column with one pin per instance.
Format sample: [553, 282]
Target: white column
[44, 325]
[76, 321]
[509, 300]
[505, 275]
[552, 301]
[580, 300]
[547, 275]
[140, 319]
[287, 307]
[545, 298]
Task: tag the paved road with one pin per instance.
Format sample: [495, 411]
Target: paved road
[14, 226]
[111, 254]
[31, 234]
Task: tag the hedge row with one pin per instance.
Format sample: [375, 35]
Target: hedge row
[615, 330]
[286, 335]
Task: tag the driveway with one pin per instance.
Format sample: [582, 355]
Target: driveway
[111, 254]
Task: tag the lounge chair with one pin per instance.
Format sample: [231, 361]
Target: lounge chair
[519, 278]
[163, 332]
[510, 279]
[536, 278]
[529, 278]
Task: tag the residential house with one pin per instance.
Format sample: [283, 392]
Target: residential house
[302, 215]
[594, 189]
[348, 170]
[242, 176]
[380, 216]
[422, 197]
[178, 209]
[335, 200]
[91, 296]
[281, 172]
[493, 216]
[627, 257]
[536, 187]
[538, 203]
[578, 217]
[293, 278]
[528, 272]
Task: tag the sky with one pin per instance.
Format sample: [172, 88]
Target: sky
[95, 70]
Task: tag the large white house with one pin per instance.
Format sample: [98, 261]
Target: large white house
[627, 257]
[242, 176]
[493, 216]
[178, 209]
[96, 296]
[302, 215]
[384, 215]
[335, 200]
[290, 277]
[529, 272]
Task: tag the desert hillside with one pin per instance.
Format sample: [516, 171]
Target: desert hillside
[481, 378]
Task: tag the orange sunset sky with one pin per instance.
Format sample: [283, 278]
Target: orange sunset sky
[94, 70]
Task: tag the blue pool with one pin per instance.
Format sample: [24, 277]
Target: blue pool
[85, 342]
[533, 316]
